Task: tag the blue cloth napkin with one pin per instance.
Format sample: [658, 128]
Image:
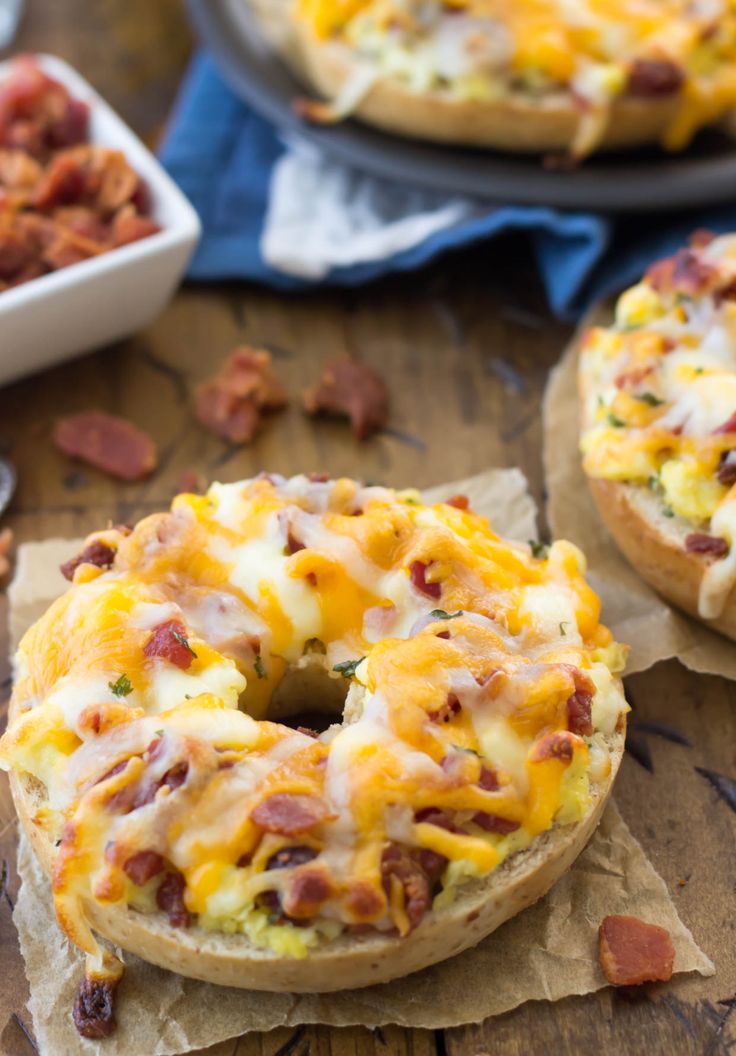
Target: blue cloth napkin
[223, 155]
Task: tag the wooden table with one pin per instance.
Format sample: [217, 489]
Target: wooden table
[466, 348]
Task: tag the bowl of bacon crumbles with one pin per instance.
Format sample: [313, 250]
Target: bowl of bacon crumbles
[94, 235]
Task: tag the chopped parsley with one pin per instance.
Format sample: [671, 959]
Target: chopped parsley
[539, 550]
[563, 625]
[183, 641]
[650, 399]
[667, 511]
[159, 733]
[468, 751]
[122, 687]
[440, 614]
[655, 484]
[260, 669]
[615, 421]
[699, 370]
[347, 667]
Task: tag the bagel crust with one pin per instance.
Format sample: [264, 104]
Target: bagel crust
[164, 773]
[519, 78]
[658, 412]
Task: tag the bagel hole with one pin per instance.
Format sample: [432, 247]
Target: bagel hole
[310, 696]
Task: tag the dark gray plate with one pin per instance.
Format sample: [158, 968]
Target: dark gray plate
[642, 182]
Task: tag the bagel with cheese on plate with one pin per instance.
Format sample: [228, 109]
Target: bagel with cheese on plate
[658, 395]
[519, 75]
[477, 724]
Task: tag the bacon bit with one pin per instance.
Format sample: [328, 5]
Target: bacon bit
[293, 545]
[96, 553]
[435, 816]
[701, 237]
[170, 899]
[727, 427]
[396, 862]
[6, 541]
[290, 857]
[350, 389]
[449, 708]
[579, 713]
[318, 478]
[417, 574]
[231, 405]
[700, 543]
[633, 952]
[488, 780]
[290, 814]
[107, 442]
[189, 482]
[560, 744]
[37, 113]
[653, 78]
[727, 469]
[687, 272]
[306, 893]
[169, 641]
[460, 502]
[129, 227]
[93, 1012]
[495, 823]
[143, 866]
[432, 863]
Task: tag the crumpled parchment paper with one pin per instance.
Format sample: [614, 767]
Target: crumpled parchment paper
[547, 952]
[635, 613]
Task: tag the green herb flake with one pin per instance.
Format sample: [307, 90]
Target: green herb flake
[260, 669]
[122, 687]
[183, 641]
[563, 625]
[539, 550]
[650, 399]
[468, 751]
[615, 421]
[440, 614]
[699, 370]
[160, 733]
[347, 667]
[668, 511]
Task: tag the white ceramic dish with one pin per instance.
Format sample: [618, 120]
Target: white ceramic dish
[98, 301]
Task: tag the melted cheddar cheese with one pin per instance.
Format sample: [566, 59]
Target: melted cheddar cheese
[599, 49]
[480, 688]
[660, 398]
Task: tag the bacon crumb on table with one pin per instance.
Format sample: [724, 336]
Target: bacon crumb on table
[107, 442]
[353, 390]
[633, 952]
[62, 199]
[232, 403]
[6, 541]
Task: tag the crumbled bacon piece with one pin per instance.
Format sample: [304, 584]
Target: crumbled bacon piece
[495, 823]
[107, 442]
[396, 862]
[701, 237]
[688, 272]
[727, 469]
[653, 78]
[307, 891]
[354, 390]
[701, 543]
[93, 1012]
[450, 707]
[417, 574]
[170, 899]
[460, 502]
[6, 541]
[232, 404]
[128, 226]
[169, 641]
[488, 780]
[579, 713]
[37, 114]
[435, 816]
[143, 865]
[290, 814]
[95, 553]
[633, 952]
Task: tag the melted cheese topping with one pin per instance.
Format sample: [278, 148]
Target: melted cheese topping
[659, 390]
[484, 49]
[462, 653]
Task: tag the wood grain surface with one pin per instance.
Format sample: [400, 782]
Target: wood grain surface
[465, 348]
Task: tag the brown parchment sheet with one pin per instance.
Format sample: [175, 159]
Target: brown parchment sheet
[547, 952]
[635, 613]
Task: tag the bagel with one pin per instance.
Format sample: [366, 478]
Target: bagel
[476, 724]
[518, 75]
[658, 399]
